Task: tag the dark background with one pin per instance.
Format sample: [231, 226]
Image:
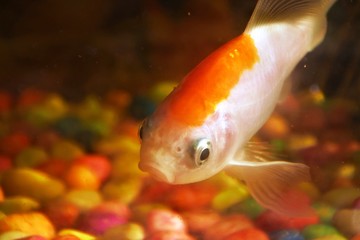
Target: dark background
[81, 47]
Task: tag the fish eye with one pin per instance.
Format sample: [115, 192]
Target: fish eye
[202, 151]
[141, 130]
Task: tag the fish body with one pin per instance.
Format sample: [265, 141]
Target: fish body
[205, 124]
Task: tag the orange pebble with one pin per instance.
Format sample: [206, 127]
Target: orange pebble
[191, 196]
[228, 225]
[248, 234]
[276, 127]
[81, 177]
[356, 237]
[98, 164]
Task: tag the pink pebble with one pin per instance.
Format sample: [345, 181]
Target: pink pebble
[271, 221]
[169, 235]
[227, 226]
[104, 216]
[248, 234]
[159, 220]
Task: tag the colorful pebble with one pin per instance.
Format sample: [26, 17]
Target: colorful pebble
[33, 223]
[31, 183]
[318, 230]
[98, 220]
[226, 226]
[80, 170]
[129, 231]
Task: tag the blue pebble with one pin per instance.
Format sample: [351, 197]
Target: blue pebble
[286, 235]
[141, 107]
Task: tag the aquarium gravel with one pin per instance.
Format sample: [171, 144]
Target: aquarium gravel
[69, 171]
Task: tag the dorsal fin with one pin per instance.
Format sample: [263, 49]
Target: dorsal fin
[308, 13]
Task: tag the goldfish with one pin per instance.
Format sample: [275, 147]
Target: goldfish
[205, 125]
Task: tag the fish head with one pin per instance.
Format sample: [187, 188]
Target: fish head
[176, 153]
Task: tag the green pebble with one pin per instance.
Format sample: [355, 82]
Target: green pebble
[332, 237]
[31, 157]
[324, 211]
[229, 197]
[18, 204]
[161, 90]
[31, 183]
[341, 197]
[318, 230]
[278, 145]
[249, 207]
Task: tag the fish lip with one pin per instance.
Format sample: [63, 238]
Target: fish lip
[156, 171]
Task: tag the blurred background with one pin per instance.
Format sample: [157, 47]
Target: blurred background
[81, 47]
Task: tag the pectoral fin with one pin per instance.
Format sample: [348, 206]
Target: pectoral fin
[274, 184]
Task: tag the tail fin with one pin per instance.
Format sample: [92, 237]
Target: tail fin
[310, 14]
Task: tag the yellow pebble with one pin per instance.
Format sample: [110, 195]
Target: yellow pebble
[34, 223]
[129, 231]
[18, 204]
[229, 197]
[66, 150]
[83, 199]
[76, 233]
[301, 141]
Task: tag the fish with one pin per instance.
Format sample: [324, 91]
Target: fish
[205, 125]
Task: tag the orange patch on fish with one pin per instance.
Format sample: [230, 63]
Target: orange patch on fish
[212, 80]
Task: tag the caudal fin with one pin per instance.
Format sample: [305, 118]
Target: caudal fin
[309, 14]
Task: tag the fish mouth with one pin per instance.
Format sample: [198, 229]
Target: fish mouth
[156, 172]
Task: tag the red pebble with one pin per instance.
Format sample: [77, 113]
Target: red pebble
[271, 221]
[30, 97]
[169, 235]
[5, 102]
[104, 216]
[191, 196]
[164, 220]
[248, 234]
[98, 164]
[54, 167]
[62, 214]
[227, 226]
[5, 163]
[13, 143]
